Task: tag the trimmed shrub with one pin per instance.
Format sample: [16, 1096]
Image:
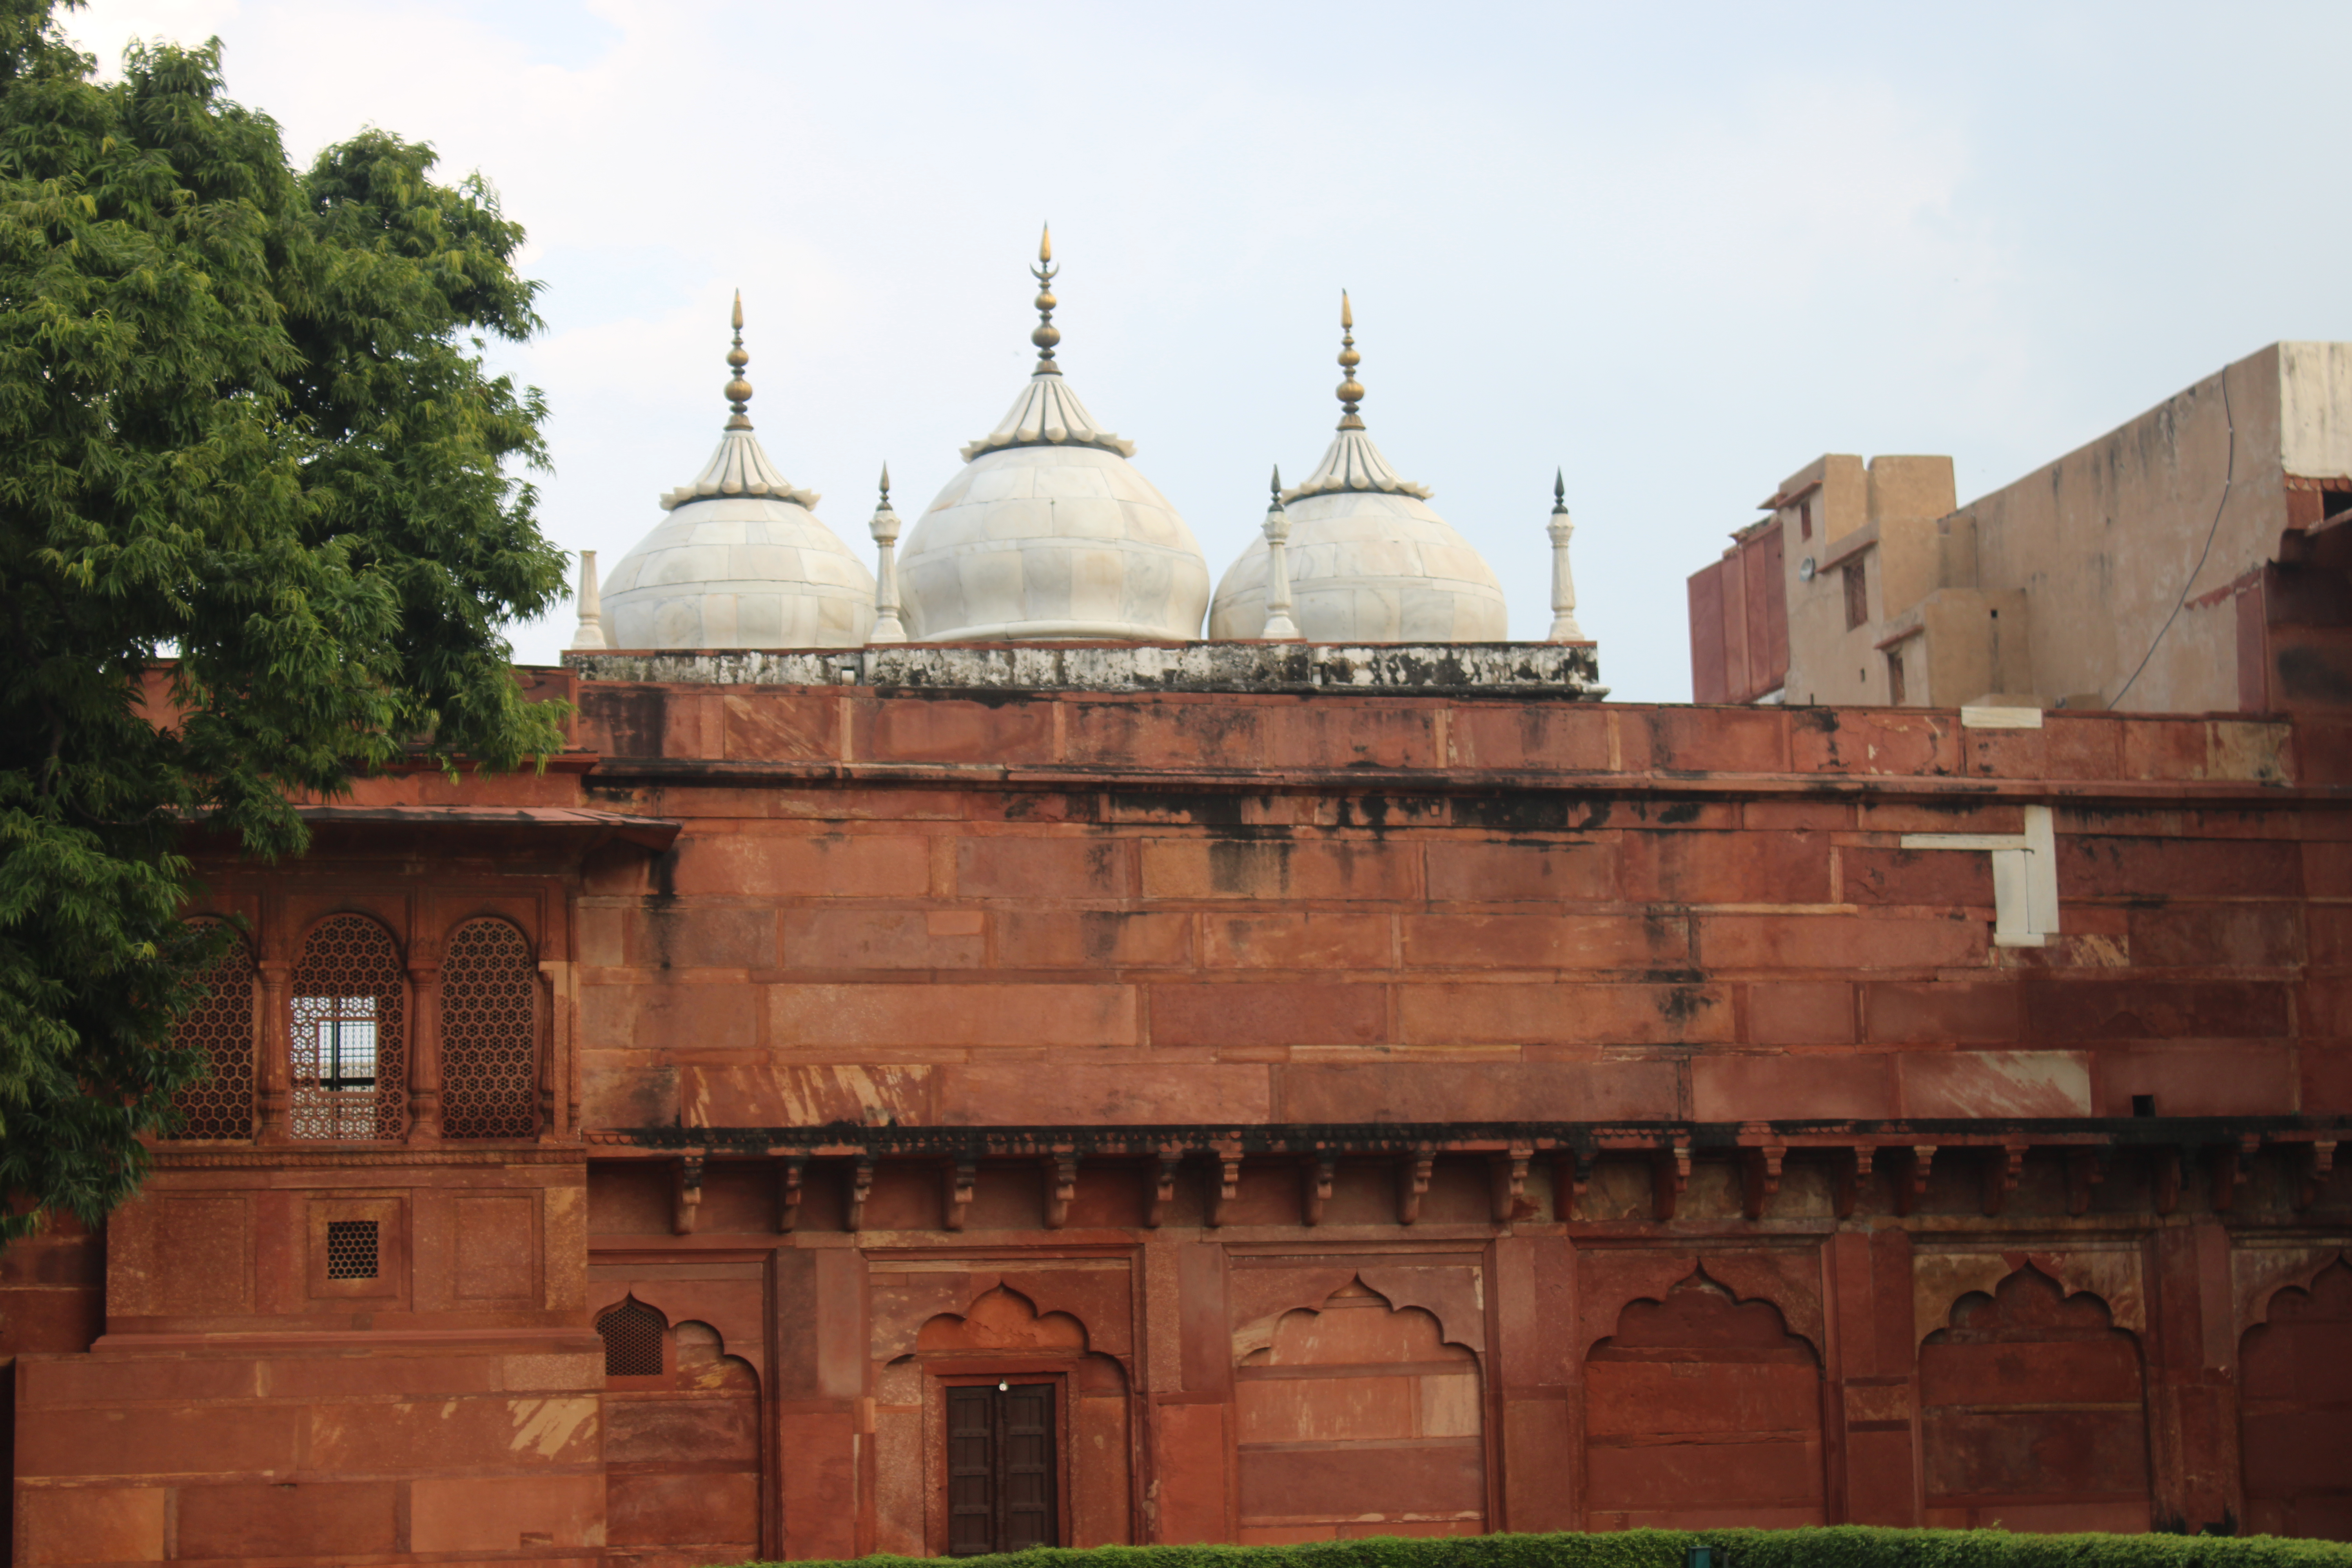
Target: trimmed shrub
[1833, 1546]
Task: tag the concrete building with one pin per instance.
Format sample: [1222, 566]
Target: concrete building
[931, 1098]
[2188, 562]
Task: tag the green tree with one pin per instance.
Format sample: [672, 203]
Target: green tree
[259, 535]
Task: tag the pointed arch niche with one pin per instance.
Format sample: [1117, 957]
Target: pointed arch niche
[2033, 1412]
[1702, 1411]
[1001, 1337]
[2294, 1391]
[681, 1438]
[1359, 1418]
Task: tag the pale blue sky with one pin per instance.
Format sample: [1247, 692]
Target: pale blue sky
[1678, 251]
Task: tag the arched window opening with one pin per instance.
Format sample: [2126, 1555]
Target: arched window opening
[632, 1335]
[349, 1061]
[221, 1026]
[490, 1034]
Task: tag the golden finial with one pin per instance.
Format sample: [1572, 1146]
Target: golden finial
[886, 484]
[1559, 490]
[1351, 391]
[737, 390]
[1046, 336]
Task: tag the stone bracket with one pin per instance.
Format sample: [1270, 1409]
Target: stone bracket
[1161, 1191]
[1412, 1184]
[790, 1171]
[1226, 1185]
[962, 1177]
[861, 1187]
[1506, 1178]
[1318, 1172]
[1670, 1171]
[686, 1195]
[1061, 1186]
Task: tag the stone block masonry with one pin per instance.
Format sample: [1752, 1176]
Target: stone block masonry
[1427, 1101]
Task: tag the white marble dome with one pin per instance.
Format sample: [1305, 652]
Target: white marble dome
[1047, 532]
[1369, 562]
[742, 561]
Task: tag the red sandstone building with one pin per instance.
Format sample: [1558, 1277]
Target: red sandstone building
[923, 1099]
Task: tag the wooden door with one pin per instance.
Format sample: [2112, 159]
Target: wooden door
[1001, 1469]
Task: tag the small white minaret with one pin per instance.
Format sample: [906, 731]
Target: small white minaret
[590, 632]
[1279, 626]
[887, 628]
[1563, 581]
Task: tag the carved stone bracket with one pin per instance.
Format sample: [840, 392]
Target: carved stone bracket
[686, 1195]
[861, 1187]
[1061, 1186]
[1913, 1185]
[1571, 1178]
[1226, 1184]
[1161, 1191]
[2002, 1172]
[2226, 1164]
[1318, 1172]
[1853, 1175]
[2313, 1175]
[790, 1173]
[962, 1177]
[2167, 1180]
[1412, 1184]
[1507, 1179]
[1761, 1177]
[1670, 1171]
[2086, 1169]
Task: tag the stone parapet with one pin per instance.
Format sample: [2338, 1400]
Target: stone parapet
[1565, 669]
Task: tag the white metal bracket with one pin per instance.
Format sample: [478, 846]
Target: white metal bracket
[2025, 876]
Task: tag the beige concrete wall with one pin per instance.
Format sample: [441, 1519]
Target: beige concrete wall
[1882, 515]
[2103, 540]
[2085, 560]
[2316, 409]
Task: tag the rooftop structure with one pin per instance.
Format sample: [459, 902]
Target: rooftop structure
[2189, 561]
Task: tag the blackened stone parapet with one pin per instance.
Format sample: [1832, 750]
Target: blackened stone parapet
[1569, 671]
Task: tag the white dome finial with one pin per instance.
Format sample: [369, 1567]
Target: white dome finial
[591, 608]
[1279, 626]
[1563, 581]
[887, 628]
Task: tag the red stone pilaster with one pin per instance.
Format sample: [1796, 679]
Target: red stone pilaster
[2192, 1377]
[425, 1050]
[1872, 1379]
[273, 1068]
[1532, 1316]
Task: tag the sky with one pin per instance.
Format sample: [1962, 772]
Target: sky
[1674, 252]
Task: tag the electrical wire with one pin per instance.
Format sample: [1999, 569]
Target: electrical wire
[2229, 477]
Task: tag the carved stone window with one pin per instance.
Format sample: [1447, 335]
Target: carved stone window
[632, 1335]
[490, 1034]
[349, 1036]
[221, 1026]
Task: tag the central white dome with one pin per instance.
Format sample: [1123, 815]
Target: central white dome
[1048, 533]
[1053, 541]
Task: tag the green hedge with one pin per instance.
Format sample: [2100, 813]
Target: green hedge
[1837, 1546]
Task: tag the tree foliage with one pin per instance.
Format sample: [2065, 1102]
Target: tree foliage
[258, 535]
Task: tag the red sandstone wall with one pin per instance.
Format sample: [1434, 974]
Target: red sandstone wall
[1318, 912]
[1068, 909]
